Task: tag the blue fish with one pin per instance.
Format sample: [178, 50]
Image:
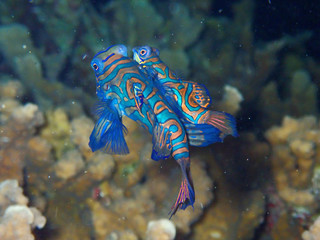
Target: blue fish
[124, 90]
[190, 100]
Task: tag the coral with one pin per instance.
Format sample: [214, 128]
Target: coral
[295, 154]
[40, 149]
[17, 220]
[11, 88]
[231, 100]
[133, 206]
[28, 113]
[29, 69]
[144, 21]
[231, 217]
[176, 59]
[234, 165]
[101, 166]
[301, 87]
[130, 169]
[162, 229]
[203, 185]
[47, 88]
[316, 182]
[26, 59]
[60, 28]
[125, 235]
[57, 131]
[180, 23]
[81, 129]
[314, 231]
[6, 108]
[18, 126]
[11, 193]
[69, 165]
[15, 41]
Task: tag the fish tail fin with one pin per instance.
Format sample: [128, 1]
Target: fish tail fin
[186, 195]
[225, 122]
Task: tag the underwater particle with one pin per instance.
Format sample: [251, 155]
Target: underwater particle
[69, 165]
[162, 229]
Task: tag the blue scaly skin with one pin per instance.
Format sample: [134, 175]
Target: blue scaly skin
[188, 99]
[124, 90]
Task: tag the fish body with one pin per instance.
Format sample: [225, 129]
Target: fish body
[123, 89]
[188, 99]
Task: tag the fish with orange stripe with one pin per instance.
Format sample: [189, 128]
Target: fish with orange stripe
[124, 90]
[189, 100]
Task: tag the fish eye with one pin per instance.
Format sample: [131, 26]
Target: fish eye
[143, 52]
[95, 66]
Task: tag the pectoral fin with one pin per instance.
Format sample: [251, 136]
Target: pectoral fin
[138, 96]
[108, 133]
[200, 94]
[223, 121]
[161, 143]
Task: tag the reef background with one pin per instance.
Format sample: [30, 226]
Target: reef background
[260, 61]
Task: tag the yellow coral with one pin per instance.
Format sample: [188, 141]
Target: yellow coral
[81, 130]
[294, 156]
[57, 132]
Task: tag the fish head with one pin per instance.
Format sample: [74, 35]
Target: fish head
[100, 63]
[99, 60]
[144, 54]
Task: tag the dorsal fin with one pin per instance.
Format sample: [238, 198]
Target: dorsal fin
[200, 94]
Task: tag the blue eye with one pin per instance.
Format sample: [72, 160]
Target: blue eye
[97, 65]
